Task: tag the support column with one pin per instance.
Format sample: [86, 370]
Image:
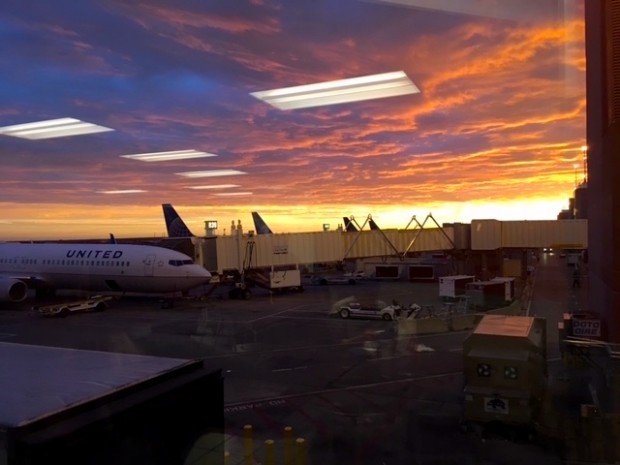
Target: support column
[603, 140]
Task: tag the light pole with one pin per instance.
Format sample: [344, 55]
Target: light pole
[584, 151]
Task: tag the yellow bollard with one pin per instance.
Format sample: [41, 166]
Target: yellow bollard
[301, 451]
[288, 445]
[226, 458]
[270, 458]
[248, 447]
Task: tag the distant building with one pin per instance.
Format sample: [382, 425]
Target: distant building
[577, 205]
[580, 211]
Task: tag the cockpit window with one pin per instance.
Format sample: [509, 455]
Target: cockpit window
[180, 262]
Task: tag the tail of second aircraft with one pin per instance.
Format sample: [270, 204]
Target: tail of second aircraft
[174, 224]
[260, 225]
[348, 225]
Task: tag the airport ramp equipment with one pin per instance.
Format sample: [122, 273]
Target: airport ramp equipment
[486, 294]
[505, 370]
[451, 287]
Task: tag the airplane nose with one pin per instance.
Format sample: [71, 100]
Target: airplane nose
[200, 272]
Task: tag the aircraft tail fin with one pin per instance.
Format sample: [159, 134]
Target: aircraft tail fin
[260, 225]
[348, 225]
[174, 224]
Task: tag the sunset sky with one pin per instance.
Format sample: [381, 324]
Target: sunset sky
[495, 132]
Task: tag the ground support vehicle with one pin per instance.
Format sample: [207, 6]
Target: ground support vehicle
[94, 304]
[357, 310]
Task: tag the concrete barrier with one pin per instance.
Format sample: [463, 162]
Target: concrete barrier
[434, 325]
[513, 309]
[463, 322]
[422, 326]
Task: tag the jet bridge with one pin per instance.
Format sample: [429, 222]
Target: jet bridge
[286, 250]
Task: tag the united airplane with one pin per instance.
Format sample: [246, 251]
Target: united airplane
[95, 267]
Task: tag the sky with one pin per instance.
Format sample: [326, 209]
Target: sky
[495, 132]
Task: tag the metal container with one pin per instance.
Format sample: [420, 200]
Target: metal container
[505, 370]
[451, 287]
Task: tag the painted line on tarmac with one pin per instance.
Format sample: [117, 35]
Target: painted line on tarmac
[279, 370]
[338, 344]
[275, 314]
[244, 406]
[267, 400]
[316, 318]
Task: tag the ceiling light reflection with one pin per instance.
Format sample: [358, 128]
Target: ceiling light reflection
[210, 173]
[60, 127]
[340, 91]
[123, 191]
[167, 156]
[214, 186]
[232, 194]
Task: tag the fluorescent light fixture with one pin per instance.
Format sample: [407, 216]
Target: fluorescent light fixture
[167, 156]
[126, 191]
[232, 194]
[506, 9]
[210, 173]
[214, 186]
[341, 91]
[61, 127]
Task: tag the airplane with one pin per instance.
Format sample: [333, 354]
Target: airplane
[260, 225]
[175, 226]
[95, 267]
[348, 225]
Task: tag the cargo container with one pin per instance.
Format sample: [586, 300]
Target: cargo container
[509, 287]
[505, 370]
[486, 294]
[450, 287]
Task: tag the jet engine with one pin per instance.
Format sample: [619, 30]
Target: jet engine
[13, 290]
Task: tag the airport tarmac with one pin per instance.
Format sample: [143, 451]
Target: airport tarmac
[355, 390]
